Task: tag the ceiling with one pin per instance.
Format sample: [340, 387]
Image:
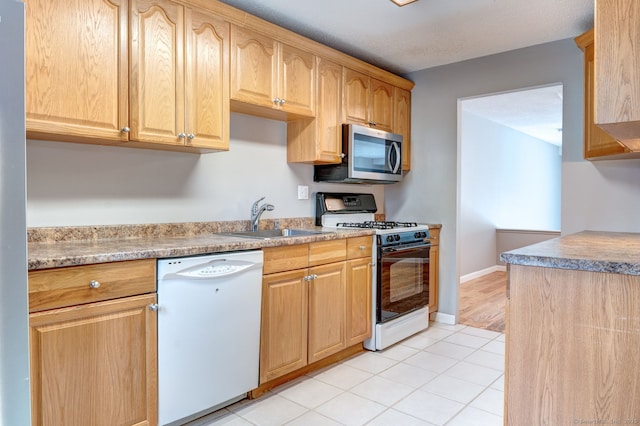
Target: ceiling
[426, 33]
[429, 33]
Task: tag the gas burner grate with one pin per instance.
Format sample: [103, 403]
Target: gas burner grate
[377, 224]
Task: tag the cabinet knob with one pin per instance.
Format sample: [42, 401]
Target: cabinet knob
[154, 307]
[125, 130]
[282, 101]
[342, 155]
[362, 247]
[182, 135]
[94, 284]
[277, 100]
[314, 277]
[373, 123]
[191, 136]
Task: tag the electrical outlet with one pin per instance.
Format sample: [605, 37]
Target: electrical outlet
[303, 192]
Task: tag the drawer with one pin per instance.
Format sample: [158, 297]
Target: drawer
[75, 285]
[327, 252]
[359, 247]
[285, 258]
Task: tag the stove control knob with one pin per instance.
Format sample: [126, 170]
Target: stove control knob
[390, 238]
[417, 235]
[396, 237]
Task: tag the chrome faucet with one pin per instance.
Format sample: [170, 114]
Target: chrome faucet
[256, 212]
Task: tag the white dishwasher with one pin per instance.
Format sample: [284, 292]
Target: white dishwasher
[208, 332]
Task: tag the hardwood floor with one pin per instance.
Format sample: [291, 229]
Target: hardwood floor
[482, 301]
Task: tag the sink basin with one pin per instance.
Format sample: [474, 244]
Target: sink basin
[266, 234]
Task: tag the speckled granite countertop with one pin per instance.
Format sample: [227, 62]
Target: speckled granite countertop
[54, 254]
[612, 252]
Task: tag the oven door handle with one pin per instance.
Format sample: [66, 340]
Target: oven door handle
[401, 249]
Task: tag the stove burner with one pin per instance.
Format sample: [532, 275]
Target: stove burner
[377, 224]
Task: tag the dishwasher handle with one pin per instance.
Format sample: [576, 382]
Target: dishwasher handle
[215, 269]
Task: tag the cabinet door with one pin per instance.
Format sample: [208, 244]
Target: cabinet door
[297, 81]
[157, 72]
[95, 364]
[381, 105]
[434, 261]
[207, 81]
[402, 123]
[359, 283]
[356, 97]
[283, 336]
[597, 142]
[327, 290]
[77, 86]
[254, 69]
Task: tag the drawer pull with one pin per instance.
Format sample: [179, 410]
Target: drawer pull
[362, 247]
[94, 284]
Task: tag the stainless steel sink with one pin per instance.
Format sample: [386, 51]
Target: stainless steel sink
[265, 234]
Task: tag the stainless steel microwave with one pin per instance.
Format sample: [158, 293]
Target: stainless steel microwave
[369, 156]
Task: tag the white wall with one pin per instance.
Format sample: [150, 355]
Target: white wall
[508, 179]
[74, 184]
[594, 195]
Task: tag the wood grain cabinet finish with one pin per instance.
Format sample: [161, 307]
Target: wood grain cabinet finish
[94, 363]
[402, 123]
[77, 79]
[572, 342]
[617, 53]
[367, 101]
[272, 75]
[434, 270]
[597, 142]
[319, 140]
[179, 76]
[317, 310]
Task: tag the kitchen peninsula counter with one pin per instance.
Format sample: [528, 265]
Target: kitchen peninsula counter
[71, 246]
[573, 331]
[611, 252]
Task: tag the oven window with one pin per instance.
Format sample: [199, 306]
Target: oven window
[403, 282]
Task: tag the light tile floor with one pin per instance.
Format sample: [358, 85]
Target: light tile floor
[446, 375]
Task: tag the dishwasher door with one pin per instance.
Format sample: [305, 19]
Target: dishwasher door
[208, 332]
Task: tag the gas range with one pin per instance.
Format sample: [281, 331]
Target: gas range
[338, 210]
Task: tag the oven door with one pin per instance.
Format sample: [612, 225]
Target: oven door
[403, 280]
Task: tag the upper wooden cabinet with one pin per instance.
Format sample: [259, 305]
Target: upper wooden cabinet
[77, 80]
[367, 101]
[179, 76]
[402, 123]
[270, 74]
[617, 77]
[319, 140]
[597, 142]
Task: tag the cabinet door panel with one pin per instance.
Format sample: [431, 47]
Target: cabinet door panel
[329, 125]
[95, 364]
[297, 80]
[207, 81]
[283, 336]
[327, 310]
[157, 72]
[77, 86]
[358, 300]
[382, 105]
[356, 97]
[402, 123]
[254, 67]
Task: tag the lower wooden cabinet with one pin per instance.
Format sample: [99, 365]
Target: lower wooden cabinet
[95, 364]
[317, 310]
[434, 266]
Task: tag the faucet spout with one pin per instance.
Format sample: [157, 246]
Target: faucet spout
[256, 212]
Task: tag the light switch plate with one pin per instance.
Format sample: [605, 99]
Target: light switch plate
[303, 192]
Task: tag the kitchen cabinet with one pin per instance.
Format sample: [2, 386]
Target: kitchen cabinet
[179, 76]
[434, 267]
[93, 344]
[77, 86]
[367, 101]
[402, 123]
[597, 142]
[316, 302]
[272, 75]
[319, 140]
[617, 87]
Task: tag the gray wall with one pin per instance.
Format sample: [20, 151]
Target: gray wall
[594, 195]
[511, 239]
[75, 184]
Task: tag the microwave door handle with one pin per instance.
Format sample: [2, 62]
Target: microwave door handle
[398, 162]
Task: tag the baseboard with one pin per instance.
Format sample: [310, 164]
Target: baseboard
[481, 273]
[445, 318]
